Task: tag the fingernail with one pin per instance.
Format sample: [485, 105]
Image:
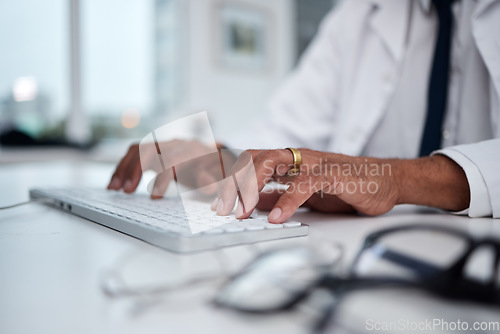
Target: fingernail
[220, 207]
[239, 210]
[213, 207]
[115, 183]
[275, 214]
[128, 185]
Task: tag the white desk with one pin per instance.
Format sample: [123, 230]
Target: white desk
[51, 263]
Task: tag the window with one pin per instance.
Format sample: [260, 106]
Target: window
[125, 71]
[119, 68]
[130, 64]
[34, 80]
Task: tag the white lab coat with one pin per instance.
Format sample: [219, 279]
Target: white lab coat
[322, 107]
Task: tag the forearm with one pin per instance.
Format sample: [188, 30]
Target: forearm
[435, 181]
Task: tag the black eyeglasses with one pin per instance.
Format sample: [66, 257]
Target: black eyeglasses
[430, 257]
[434, 257]
[278, 279]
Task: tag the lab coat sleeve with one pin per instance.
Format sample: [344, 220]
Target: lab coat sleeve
[481, 163]
[302, 112]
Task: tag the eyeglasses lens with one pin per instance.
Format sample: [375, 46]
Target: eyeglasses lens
[410, 254]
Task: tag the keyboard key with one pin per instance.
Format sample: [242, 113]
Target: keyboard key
[292, 224]
[214, 231]
[270, 226]
[233, 229]
[254, 227]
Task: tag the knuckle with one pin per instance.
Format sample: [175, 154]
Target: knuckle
[269, 154]
[265, 157]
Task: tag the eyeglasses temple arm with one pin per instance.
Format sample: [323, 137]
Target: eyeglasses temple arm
[420, 267]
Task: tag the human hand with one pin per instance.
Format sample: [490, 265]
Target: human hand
[319, 202]
[327, 182]
[201, 172]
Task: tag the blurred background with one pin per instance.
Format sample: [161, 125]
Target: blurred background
[85, 78]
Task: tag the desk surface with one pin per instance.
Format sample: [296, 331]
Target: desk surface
[51, 266]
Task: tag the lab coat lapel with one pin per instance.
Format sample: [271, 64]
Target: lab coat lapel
[378, 71]
[485, 29]
[390, 15]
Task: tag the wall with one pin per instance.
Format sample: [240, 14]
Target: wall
[232, 96]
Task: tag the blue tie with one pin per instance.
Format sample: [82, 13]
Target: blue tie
[438, 85]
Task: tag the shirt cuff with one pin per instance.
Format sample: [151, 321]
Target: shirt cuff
[479, 205]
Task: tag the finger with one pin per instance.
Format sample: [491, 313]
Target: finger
[267, 200]
[261, 172]
[214, 204]
[117, 180]
[161, 183]
[227, 196]
[248, 194]
[296, 195]
[133, 176]
[228, 191]
[229, 162]
[283, 178]
[228, 158]
[243, 171]
[269, 164]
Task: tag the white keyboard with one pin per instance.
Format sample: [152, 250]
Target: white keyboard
[182, 226]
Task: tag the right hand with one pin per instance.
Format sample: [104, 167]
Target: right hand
[203, 172]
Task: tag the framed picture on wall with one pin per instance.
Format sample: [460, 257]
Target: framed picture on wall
[243, 36]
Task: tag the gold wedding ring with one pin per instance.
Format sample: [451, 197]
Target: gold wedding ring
[297, 161]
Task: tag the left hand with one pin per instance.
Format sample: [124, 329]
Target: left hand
[327, 182]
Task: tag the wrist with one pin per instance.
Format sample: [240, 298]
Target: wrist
[433, 181]
[399, 180]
